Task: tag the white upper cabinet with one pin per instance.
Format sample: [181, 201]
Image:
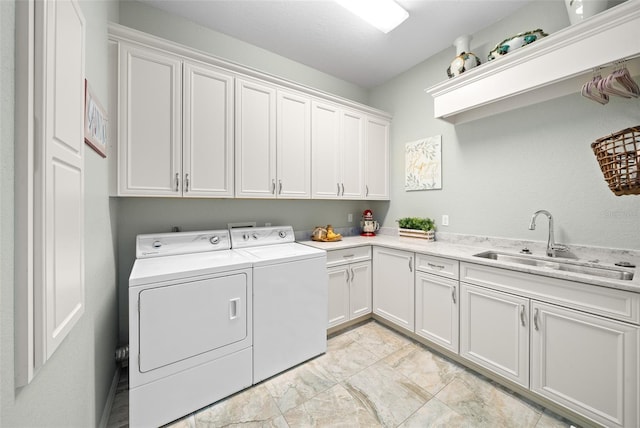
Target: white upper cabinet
[255, 140]
[175, 128]
[551, 67]
[376, 165]
[293, 145]
[207, 144]
[149, 149]
[338, 152]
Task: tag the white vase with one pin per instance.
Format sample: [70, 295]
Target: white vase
[580, 10]
[465, 60]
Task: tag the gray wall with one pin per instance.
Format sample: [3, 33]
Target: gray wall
[72, 388]
[499, 170]
[154, 21]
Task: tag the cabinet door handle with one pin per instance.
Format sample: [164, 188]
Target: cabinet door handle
[535, 319]
[522, 315]
[186, 182]
[177, 182]
[453, 294]
[273, 187]
[338, 184]
[410, 265]
[342, 184]
[366, 193]
[352, 275]
[279, 187]
[437, 267]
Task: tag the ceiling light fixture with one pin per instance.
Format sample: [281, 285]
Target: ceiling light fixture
[385, 15]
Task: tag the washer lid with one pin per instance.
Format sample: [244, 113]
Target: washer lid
[185, 266]
[280, 253]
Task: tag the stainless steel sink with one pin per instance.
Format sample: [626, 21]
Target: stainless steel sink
[567, 266]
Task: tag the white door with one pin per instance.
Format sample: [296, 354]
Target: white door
[376, 165]
[494, 331]
[59, 174]
[586, 363]
[150, 143]
[255, 140]
[437, 310]
[338, 295]
[352, 145]
[180, 321]
[207, 144]
[360, 289]
[393, 289]
[294, 146]
[325, 148]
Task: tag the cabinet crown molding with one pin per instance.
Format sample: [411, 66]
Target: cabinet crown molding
[552, 67]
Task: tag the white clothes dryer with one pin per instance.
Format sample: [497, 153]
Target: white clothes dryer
[190, 325]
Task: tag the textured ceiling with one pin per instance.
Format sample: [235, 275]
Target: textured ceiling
[323, 35]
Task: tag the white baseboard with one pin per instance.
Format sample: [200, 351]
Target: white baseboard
[104, 420]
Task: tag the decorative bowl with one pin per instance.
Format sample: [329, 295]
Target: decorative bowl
[515, 42]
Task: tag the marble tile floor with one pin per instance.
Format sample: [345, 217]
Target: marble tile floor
[370, 376]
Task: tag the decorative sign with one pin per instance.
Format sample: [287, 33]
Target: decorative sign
[423, 164]
[95, 122]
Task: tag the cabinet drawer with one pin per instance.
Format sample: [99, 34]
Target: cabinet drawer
[348, 255]
[609, 302]
[438, 266]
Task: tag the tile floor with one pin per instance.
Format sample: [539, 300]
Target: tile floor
[370, 376]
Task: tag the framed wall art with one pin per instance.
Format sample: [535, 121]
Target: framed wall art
[423, 164]
[95, 122]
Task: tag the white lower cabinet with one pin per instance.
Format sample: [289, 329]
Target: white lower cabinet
[437, 310]
[494, 331]
[393, 286]
[349, 284]
[586, 363]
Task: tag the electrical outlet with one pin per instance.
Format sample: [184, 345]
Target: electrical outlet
[445, 220]
[350, 217]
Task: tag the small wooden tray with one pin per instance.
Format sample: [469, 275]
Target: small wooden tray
[339, 238]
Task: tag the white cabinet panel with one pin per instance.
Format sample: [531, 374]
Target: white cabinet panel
[325, 147]
[352, 145]
[393, 286]
[376, 165]
[494, 331]
[255, 140]
[338, 295]
[360, 289]
[207, 144]
[294, 146]
[586, 363]
[437, 310]
[149, 147]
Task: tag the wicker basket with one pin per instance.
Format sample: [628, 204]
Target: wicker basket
[619, 158]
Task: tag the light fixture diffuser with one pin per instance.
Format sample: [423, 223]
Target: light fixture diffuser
[385, 15]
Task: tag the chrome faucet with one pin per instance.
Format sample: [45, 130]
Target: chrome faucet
[552, 247]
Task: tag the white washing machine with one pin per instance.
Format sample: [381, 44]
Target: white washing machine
[190, 325]
[290, 286]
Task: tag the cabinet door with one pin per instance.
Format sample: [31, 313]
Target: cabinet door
[360, 289]
[207, 144]
[376, 165]
[393, 289]
[149, 147]
[294, 146]
[352, 158]
[437, 310]
[494, 332]
[325, 149]
[255, 140]
[586, 363]
[338, 295]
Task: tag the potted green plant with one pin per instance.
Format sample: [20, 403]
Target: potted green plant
[417, 227]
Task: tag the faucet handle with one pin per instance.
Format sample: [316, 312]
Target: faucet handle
[559, 247]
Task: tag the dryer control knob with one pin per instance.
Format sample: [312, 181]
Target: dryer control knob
[254, 235]
[245, 236]
[282, 234]
[157, 244]
[215, 239]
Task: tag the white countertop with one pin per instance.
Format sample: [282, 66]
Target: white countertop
[465, 253]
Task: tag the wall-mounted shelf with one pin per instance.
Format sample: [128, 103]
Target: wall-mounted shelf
[552, 67]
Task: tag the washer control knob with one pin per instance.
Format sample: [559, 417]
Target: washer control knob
[157, 244]
[245, 236]
[254, 235]
[215, 239]
[282, 234]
